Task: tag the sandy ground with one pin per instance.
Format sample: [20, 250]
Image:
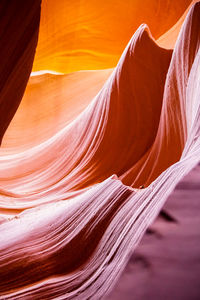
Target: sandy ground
[166, 265]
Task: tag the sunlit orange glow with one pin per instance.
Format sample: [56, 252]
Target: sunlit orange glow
[89, 35]
[107, 127]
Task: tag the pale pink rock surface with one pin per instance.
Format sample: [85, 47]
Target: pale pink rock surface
[68, 226]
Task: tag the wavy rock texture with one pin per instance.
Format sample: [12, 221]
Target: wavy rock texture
[68, 224]
[50, 102]
[168, 39]
[84, 35]
[166, 262]
[56, 93]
